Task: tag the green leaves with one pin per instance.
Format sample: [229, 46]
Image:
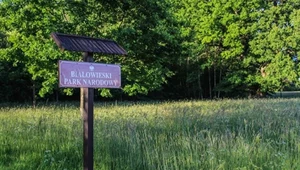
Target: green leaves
[205, 47]
[142, 28]
[234, 37]
[275, 47]
[142, 79]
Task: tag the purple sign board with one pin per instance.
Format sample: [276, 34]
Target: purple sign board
[90, 75]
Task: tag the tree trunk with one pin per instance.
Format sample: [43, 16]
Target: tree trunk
[199, 85]
[220, 79]
[33, 95]
[187, 76]
[209, 83]
[56, 95]
[215, 81]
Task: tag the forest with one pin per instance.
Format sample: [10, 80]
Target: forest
[177, 49]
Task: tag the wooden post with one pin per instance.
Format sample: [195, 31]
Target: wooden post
[87, 112]
[88, 46]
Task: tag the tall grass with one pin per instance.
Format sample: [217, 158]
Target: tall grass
[227, 134]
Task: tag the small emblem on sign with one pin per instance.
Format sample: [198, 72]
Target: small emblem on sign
[92, 68]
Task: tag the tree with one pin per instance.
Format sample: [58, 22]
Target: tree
[240, 47]
[204, 49]
[140, 27]
[275, 46]
[218, 34]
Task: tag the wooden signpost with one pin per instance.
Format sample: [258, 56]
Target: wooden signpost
[88, 75]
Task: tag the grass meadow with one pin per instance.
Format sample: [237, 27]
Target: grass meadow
[253, 134]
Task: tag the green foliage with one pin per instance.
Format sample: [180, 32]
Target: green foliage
[194, 48]
[275, 47]
[15, 83]
[28, 24]
[233, 41]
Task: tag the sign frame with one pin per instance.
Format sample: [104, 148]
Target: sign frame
[89, 75]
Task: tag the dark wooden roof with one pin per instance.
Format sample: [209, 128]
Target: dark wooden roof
[87, 44]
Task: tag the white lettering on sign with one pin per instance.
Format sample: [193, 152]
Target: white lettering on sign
[72, 82]
[85, 74]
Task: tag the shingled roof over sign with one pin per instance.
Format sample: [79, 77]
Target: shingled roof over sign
[87, 44]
